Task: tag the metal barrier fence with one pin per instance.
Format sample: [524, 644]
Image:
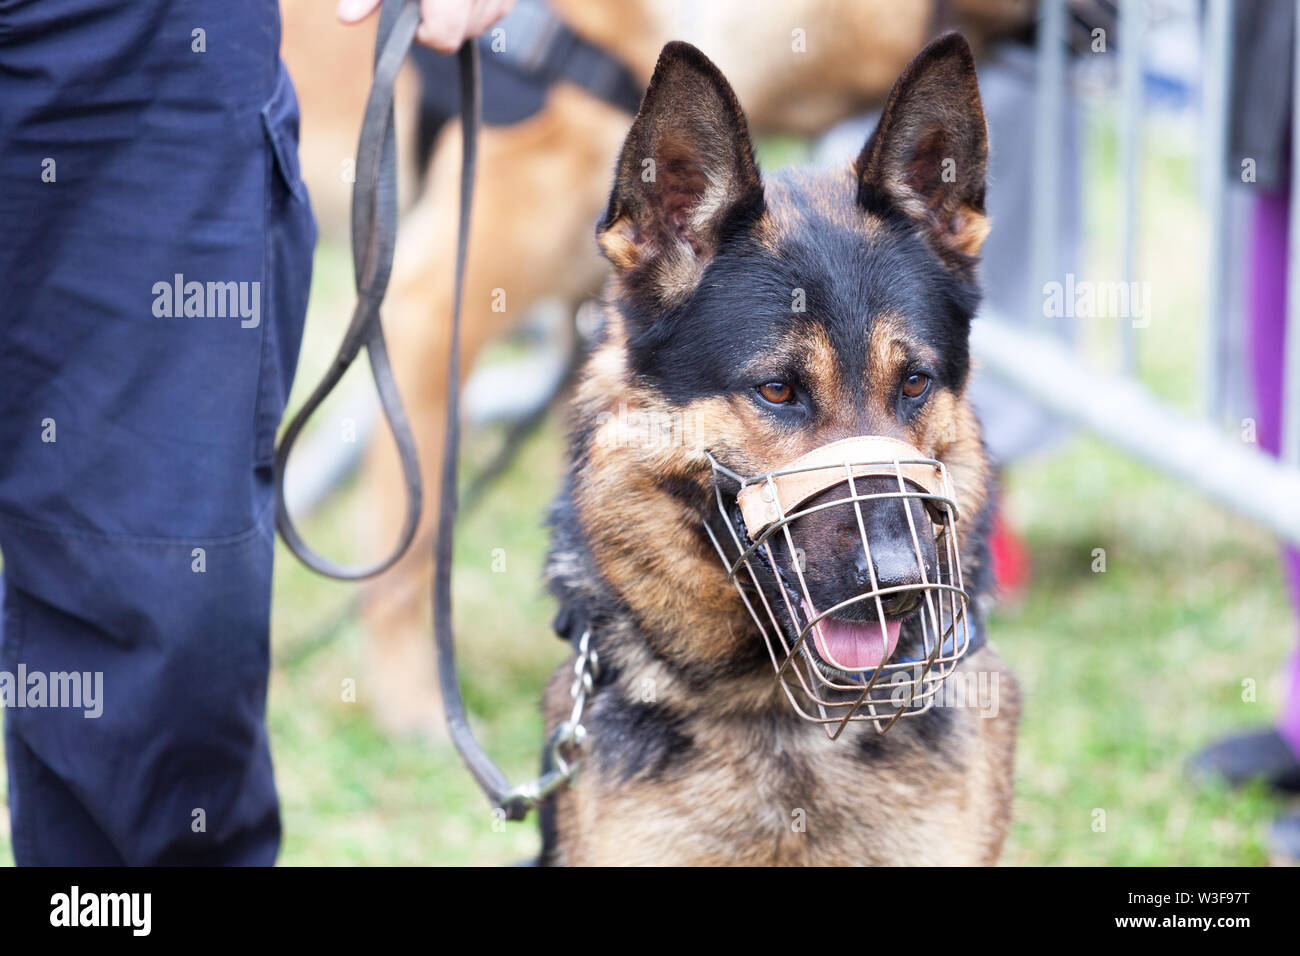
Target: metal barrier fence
[1050, 370]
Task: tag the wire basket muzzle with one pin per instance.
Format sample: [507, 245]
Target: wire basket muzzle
[853, 660]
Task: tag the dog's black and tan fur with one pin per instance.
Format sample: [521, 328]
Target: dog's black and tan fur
[694, 755]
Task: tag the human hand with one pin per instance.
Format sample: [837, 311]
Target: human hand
[444, 24]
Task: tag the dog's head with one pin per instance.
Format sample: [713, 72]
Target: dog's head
[756, 321]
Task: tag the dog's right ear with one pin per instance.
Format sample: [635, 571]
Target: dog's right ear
[685, 177]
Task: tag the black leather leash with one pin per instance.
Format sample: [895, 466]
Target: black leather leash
[374, 235]
[488, 775]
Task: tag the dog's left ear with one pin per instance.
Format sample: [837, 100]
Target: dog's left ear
[928, 155]
[685, 177]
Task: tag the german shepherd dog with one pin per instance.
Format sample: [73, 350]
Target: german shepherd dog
[693, 755]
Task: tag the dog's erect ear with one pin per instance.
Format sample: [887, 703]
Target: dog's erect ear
[928, 155]
[686, 176]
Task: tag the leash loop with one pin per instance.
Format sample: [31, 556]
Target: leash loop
[374, 237]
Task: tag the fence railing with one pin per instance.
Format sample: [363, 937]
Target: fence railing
[1051, 371]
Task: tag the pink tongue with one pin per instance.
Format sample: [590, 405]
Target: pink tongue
[853, 645]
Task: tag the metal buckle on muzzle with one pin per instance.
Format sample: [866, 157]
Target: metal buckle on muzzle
[939, 631]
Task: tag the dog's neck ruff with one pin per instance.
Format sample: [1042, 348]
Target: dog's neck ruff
[870, 678]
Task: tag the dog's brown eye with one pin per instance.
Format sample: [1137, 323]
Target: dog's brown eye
[914, 385]
[778, 393]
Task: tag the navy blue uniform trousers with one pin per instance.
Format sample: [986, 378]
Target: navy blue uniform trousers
[155, 257]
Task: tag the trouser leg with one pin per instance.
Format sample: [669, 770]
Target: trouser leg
[154, 268]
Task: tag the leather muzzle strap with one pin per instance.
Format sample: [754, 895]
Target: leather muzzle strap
[765, 501]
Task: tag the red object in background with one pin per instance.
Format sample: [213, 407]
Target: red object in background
[1010, 558]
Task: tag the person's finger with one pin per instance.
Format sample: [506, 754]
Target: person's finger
[486, 13]
[353, 11]
[444, 24]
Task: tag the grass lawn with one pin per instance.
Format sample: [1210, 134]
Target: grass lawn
[1124, 673]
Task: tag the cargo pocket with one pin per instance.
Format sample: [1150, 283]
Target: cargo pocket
[290, 242]
[280, 120]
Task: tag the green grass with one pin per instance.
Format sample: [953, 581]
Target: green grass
[351, 795]
[1127, 671]
[1124, 674]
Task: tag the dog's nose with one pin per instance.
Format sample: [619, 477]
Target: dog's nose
[836, 539]
[897, 565]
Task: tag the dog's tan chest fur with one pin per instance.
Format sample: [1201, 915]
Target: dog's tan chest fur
[776, 791]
